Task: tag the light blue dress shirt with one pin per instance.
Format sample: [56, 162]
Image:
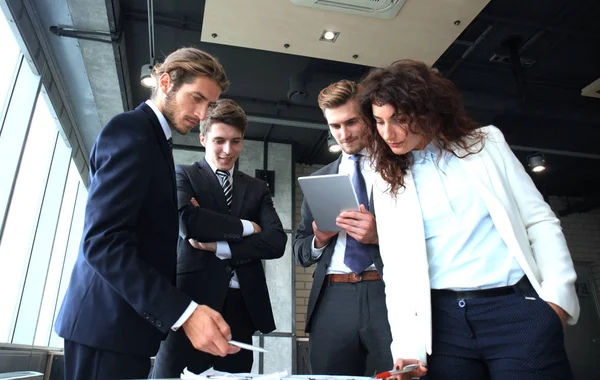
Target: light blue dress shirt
[464, 249]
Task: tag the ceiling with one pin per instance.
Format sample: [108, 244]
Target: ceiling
[537, 104]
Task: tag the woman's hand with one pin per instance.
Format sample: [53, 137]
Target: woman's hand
[401, 363]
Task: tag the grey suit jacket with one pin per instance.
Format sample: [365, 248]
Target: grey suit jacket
[303, 248]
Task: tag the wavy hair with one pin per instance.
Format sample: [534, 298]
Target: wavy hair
[185, 65]
[430, 105]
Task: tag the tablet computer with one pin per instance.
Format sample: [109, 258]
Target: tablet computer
[327, 196]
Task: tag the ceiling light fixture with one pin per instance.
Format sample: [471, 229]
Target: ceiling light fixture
[329, 36]
[536, 162]
[333, 146]
[146, 78]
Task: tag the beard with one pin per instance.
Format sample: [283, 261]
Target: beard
[169, 110]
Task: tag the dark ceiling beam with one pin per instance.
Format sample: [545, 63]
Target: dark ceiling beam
[513, 105]
[557, 152]
[538, 25]
[288, 122]
[161, 19]
[468, 51]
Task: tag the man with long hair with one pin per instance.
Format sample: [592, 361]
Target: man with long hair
[122, 300]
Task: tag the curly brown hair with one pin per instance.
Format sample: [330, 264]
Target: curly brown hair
[431, 106]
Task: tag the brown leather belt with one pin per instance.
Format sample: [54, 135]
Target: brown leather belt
[371, 275]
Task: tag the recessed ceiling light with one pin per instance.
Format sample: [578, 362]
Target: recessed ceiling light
[329, 36]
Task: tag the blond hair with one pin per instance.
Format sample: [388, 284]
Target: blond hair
[337, 94]
[186, 64]
[225, 111]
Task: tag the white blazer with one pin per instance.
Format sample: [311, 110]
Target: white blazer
[524, 220]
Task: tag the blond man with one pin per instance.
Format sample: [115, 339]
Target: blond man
[346, 317]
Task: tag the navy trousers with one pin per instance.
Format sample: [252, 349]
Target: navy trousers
[84, 362]
[508, 337]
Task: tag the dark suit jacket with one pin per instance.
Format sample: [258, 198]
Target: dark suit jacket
[303, 248]
[121, 295]
[202, 275]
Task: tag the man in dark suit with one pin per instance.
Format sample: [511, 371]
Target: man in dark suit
[227, 226]
[122, 300]
[347, 316]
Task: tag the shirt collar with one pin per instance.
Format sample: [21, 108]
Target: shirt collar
[161, 118]
[214, 168]
[346, 156]
[419, 156]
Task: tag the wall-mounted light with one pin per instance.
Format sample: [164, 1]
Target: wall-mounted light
[536, 162]
[329, 36]
[146, 78]
[333, 146]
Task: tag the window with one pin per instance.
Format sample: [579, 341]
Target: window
[8, 64]
[42, 203]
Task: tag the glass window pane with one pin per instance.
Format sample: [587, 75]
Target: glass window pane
[16, 125]
[37, 270]
[22, 217]
[55, 269]
[8, 64]
[72, 252]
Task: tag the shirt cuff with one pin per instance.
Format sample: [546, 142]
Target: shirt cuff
[248, 227]
[223, 251]
[184, 317]
[316, 252]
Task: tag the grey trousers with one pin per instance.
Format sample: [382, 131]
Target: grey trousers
[350, 324]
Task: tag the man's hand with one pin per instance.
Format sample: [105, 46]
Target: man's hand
[360, 225]
[322, 237]
[194, 202]
[257, 228]
[401, 363]
[562, 314]
[208, 332]
[211, 247]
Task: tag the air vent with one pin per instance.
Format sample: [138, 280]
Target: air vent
[592, 90]
[499, 58]
[386, 9]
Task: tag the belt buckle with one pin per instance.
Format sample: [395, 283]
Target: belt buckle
[354, 278]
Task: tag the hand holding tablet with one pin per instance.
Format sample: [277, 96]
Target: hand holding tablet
[327, 196]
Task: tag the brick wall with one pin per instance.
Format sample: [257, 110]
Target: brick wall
[582, 232]
[303, 275]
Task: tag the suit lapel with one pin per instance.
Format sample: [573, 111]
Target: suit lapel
[162, 143]
[213, 184]
[239, 191]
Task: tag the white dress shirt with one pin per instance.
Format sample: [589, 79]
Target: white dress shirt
[337, 265]
[223, 250]
[464, 248]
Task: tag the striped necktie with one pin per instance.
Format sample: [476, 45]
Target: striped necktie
[226, 184]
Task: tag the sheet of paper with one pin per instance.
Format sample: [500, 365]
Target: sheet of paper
[212, 374]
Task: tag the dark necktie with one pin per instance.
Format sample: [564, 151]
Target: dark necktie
[357, 256]
[170, 142]
[226, 184]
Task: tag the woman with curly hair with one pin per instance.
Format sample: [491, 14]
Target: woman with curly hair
[479, 279]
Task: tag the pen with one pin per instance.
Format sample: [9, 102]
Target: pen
[386, 374]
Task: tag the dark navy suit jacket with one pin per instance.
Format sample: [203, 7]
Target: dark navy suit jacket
[122, 296]
[202, 275]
